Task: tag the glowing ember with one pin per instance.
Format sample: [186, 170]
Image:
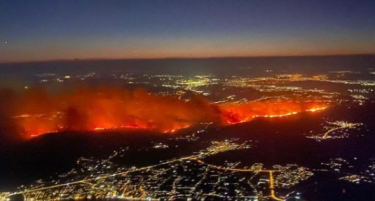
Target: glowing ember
[316, 109]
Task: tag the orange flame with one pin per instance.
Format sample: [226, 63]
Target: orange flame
[239, 113]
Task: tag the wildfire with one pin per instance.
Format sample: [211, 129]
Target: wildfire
[104, 109]
[239, 113]
[316, 109]
[275, 115]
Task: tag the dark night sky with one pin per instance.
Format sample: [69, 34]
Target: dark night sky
[67, 29]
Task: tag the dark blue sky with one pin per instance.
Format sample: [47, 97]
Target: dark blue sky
[67, 29]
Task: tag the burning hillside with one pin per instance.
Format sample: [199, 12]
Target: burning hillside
[35, 112]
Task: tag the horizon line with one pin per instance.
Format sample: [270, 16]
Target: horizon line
[179, 58]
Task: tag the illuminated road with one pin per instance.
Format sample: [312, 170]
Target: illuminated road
[340, 126]
[272, 187]
[330, 131]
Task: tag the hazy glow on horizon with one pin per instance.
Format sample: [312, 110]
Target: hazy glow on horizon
[48, 30]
